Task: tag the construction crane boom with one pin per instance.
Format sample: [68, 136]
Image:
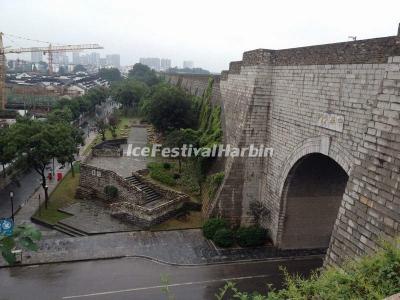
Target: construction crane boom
[51, 48]
[46, 50]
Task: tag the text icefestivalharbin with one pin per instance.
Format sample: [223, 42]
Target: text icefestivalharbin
[190, 151]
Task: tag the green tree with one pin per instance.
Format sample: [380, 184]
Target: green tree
[129, 93]
[101, 127]
[71, 105]
[24, 236]
[67, 139]
[144, 74]
[97, 95]
[113, 124]
[110, 74]
[34, 144]
[178, 138]
[60, 115]
[6, 150]
[169, 108]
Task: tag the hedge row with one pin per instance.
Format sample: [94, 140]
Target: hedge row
[217, 230]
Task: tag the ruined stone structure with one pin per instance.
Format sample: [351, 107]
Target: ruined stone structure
[331, 114]
[132, 203]
[109, 148]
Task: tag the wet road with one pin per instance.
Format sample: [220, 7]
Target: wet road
[28, 183]
[31, 180]
[137, 278]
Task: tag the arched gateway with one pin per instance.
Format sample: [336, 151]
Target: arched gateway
[311, 187]
[312, 193]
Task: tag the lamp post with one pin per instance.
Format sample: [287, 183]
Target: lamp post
[45, 196]
[12, 205]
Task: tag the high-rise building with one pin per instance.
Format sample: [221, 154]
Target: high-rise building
[36, 57]
[102, 62]
[165, 64]
[76, 59]
[188, 64]
[84, 60]
[94, 59]
[113, 60]
[151, 62]
[56, 57]
[63, 59]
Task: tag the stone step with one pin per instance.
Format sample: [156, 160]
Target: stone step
[65, 231]
[150, 194]
[68, 230]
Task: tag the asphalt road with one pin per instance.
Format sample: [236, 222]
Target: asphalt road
[138, 278]
[30, 181]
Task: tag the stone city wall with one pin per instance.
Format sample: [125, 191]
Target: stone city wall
[338, 100]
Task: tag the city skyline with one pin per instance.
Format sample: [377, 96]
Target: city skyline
[154, 33]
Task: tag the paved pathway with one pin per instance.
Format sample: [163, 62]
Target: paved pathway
[32, 203]
[183, 247]
[94, 217]
[124, 166]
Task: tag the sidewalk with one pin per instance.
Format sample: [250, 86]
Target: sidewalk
[179, 247]
[31, 205]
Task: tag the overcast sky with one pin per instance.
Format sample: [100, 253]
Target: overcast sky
[210, 32]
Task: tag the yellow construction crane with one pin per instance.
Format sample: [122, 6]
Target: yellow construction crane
[45, 50]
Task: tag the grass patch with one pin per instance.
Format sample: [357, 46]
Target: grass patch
[122, 131]
[193, 220]
[167, 172]
[63, 195]
[89, 147]
[159, 173]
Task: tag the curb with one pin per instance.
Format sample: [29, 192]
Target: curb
[160, 261]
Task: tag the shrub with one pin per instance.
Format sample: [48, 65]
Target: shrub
[223, 237]
[376, 276]
[192, 206]
[211, 226]
[111, 191]
[162, 177]
[166, 166]
[251, 236]
[159, 173]
[214, 181]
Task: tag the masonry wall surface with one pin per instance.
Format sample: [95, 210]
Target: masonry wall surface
[281, 99]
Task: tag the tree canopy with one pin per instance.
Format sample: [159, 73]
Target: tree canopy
[6, 150]
[37, 142]
[128, 92]
[178, 138]
[144, 74]
[79, 68]
[110, 74]
[79, 105]
[169, 108]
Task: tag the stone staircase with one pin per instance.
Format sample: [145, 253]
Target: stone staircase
[150, 194]
[68, 230]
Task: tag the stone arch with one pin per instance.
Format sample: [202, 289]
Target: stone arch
[328, 153]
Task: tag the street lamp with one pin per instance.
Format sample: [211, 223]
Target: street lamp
[45, 195]
[12, 205]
